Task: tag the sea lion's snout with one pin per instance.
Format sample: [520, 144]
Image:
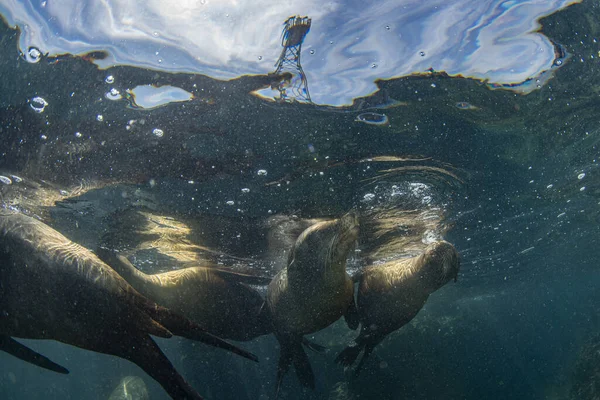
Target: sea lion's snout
[445, 256]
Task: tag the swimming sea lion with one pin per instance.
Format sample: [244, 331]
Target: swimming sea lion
[391, 294]
[312, 292]
[214, 298]
[52, 288]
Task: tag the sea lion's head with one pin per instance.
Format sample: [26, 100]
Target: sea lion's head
[442, 262]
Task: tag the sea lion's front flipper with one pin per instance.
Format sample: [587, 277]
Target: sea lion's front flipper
[144, 352]
[23, 352]
[351, 316]
[234, 276]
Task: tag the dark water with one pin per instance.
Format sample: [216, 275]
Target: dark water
[516, 178]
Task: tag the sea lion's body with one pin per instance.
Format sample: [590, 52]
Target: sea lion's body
[52, 288]
[390, 295]
[313, 291]
[216, 299]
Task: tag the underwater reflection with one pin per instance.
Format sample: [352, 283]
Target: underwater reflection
[351, 44]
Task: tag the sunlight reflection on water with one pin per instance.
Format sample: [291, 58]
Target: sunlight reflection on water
[491, 39]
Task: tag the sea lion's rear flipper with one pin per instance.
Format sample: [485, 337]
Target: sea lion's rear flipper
[291, 351]
[349, 355]
[314, 346]
[351, 316]
[24, 353]
[234, 276]
[368, 349]
[181, 326]
[144, 352]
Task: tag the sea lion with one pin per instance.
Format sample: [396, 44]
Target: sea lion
[214, 298]
[391, 294]
[313, 291]
[52, 288]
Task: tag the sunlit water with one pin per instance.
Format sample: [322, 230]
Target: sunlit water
[516, 176]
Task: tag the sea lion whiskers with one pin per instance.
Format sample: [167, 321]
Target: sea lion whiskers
[330, 252]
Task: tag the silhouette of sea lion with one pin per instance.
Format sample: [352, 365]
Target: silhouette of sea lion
[312, 292]
[391, 294]
[214, 298]
[52, 288]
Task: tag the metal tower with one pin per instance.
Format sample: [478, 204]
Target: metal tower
[296, 88]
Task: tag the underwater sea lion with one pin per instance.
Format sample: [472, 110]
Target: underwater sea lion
[52, 288]
[214, 298]
[391, 294]
[312, 292]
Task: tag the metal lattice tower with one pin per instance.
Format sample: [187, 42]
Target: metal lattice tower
[296, 88]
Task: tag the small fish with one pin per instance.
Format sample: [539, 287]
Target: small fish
[372, 118]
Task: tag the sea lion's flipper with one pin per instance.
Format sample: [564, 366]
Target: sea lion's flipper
[314, 346]
[368, 349]
[234, 276]
[23, 352]
[291, 351]
[144, 352]
[349, 355]
[302, 367]
[351, 316]
[181, 326]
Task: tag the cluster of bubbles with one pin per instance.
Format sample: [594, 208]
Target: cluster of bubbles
[158, 132]
[8, 181]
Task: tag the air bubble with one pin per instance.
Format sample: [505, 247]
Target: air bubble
[158, 132]
[312, 52]
[422, 54]
[5, 179]
[114, 94]
[368, 197]
[34, 55]
[109, 79]
[99, 118]
[261, 172]
[230, 202]
[43, 137]
[259, 58]
[581, 176]
[38, 104]
[387, 27]
[245, 190]
[78, 134]
[373, 65]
